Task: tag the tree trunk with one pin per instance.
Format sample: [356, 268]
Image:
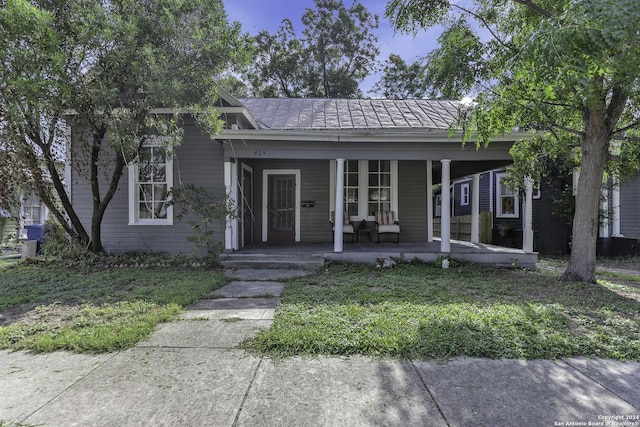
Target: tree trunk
[582, 262]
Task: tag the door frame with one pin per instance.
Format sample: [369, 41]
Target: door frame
[265, 199]
[245, 167]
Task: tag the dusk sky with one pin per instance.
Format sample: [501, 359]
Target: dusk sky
[257, 15]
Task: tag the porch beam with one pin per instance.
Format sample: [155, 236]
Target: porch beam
[445, 229]
[429, 201]
[339, 212]
[475, 209]
[527, 235]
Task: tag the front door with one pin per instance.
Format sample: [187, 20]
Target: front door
[281, 208]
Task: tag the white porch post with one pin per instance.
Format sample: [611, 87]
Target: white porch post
[339, 212]
[527, 235]
[615, 208]
[231, 189]
[429, 201]
[475, 209]
[604, 228]
[445, 233]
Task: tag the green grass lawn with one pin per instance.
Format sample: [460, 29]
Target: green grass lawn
[422, 311]
[47, 307]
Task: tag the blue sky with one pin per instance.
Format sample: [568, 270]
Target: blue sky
[257, 15]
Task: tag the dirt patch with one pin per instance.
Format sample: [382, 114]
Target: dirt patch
[50, 317]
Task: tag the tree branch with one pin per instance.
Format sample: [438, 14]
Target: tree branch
[485, 23]
[531, 5]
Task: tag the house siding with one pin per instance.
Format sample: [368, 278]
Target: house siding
[314, 186]
[412, 201]
[198, 161]
[630, 207]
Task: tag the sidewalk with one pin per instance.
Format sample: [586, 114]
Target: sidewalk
[189, 373]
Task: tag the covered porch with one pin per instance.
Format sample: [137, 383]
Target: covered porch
[291, 255]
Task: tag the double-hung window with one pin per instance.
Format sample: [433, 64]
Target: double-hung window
[507, 199]
[369, 186]
[150, 179]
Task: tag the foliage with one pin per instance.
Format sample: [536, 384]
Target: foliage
[207, 216]
[105, 67]
[336, 52]
[400, 80]
[92, 310]
[564, 70]
[422, 311]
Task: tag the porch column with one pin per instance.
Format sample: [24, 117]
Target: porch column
[615, 208]
[429, 201]
[604, 207]
[339, 212]
[445, 213]
[475, 209]
[231, 189]
[527, 234]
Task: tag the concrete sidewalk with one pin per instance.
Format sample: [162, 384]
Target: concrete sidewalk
[190, 373]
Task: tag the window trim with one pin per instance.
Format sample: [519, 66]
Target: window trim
[465, 194]
[363, 189]
[516, 200]
[134, 193]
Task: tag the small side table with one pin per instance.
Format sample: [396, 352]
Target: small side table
[362, 231]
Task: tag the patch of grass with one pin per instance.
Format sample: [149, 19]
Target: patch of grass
[425, 312]
[45, 308]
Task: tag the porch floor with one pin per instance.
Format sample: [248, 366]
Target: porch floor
[367, 252]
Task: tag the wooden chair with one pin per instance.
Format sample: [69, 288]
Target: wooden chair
[386, 224]
[347, 227]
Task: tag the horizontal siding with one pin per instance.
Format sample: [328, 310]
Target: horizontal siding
[412, 201]
[314, 176]
[198, 161]
[630, 207]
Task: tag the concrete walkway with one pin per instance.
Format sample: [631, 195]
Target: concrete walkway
[190, 373]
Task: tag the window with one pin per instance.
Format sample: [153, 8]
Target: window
[464, 194]
[379, 186]
[438, 205]
[369, 185]
[32, 208]
[507, 199]
[150, 180]
[351, 187]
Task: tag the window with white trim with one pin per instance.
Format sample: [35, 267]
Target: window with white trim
[32, 208]
[351, 187]
[507, 199]
[464, 194]
[369, 185]
[379, 190]
[150, 179]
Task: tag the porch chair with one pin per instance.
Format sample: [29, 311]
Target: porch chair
[386, 224]
[347, 227]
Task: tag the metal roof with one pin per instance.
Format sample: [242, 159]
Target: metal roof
[337, 114]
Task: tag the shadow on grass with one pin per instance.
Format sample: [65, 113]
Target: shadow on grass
[420, 311]
[44, 308]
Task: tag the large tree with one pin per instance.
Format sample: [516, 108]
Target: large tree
[400, 80]
[105, 65]
[336, 52]
[567, 69]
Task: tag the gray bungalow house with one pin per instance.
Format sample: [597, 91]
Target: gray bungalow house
[292, 165]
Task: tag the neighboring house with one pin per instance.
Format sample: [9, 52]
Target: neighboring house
[620, 213]
[30, 211]
[279, 160]
[551, 233]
